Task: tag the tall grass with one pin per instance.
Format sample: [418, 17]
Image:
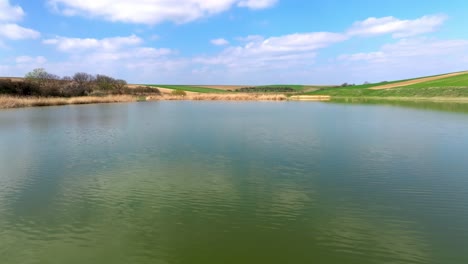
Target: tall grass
[16, 102]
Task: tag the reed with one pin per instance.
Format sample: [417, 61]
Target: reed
[17, 102]
[220, 97]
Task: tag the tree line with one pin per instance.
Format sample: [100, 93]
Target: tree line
[39, 82]
[266, 89]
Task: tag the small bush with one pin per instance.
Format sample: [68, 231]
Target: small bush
[71, 89]
[179, 93]
[143, 90]
[19, 88]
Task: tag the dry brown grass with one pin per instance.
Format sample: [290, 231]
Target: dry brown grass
[17, 102]
[13, 79]
[311, 98]
[221, 97]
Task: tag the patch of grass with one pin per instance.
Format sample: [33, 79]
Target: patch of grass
[179, 93]
[396, 92]
[190, 88]
[454, 81]
[455, 86]
[141, 99]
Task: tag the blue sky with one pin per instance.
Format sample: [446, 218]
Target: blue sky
[235, 41]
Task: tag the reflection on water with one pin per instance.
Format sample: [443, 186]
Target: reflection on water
[197, 182]
[461, 107]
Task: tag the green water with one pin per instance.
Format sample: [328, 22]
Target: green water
[217, 182]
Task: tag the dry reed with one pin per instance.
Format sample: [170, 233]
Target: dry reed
[16, 102]
[221, 97]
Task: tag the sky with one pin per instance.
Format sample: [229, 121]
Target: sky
[242, 42]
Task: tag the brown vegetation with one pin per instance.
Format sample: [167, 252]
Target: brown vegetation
[17, 102]
[221, 97]
[311, 97]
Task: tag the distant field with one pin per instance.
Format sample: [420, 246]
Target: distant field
[433, 81]
[14, 79]
[448, 85]
[190, 88]
[233, 88]
[223, 87]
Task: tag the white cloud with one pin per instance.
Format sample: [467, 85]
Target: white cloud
[259, 52]
[219, 42]
[406, 58]
[257, 4]
[125, 57]
[301, 42]
[251, 38]
[82, 44]
[9, 12]
[409, 48]
[398, 28]
[262, 60]
[152, 11]
[16, 32]
[9, 30]
[31, 60]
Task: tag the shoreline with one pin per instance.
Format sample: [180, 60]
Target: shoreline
[11, 102]
[436, 99]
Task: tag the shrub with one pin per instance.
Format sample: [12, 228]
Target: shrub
[19, 88]
[71, 89]
[143, 90]
[179, 93]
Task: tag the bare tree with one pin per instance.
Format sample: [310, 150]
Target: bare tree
[84, 81]
[119, 86]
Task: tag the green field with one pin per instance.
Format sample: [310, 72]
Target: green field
[451, 86]
[193, 88]
[455, 86]
[455, 81]
[190, 88]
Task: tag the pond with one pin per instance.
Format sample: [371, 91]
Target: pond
[246, 182]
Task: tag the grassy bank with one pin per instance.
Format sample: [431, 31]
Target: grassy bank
[17, 102]
[423, 92]
[415, 89]
[459, 105]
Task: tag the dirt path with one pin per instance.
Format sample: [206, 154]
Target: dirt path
[406, 83]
